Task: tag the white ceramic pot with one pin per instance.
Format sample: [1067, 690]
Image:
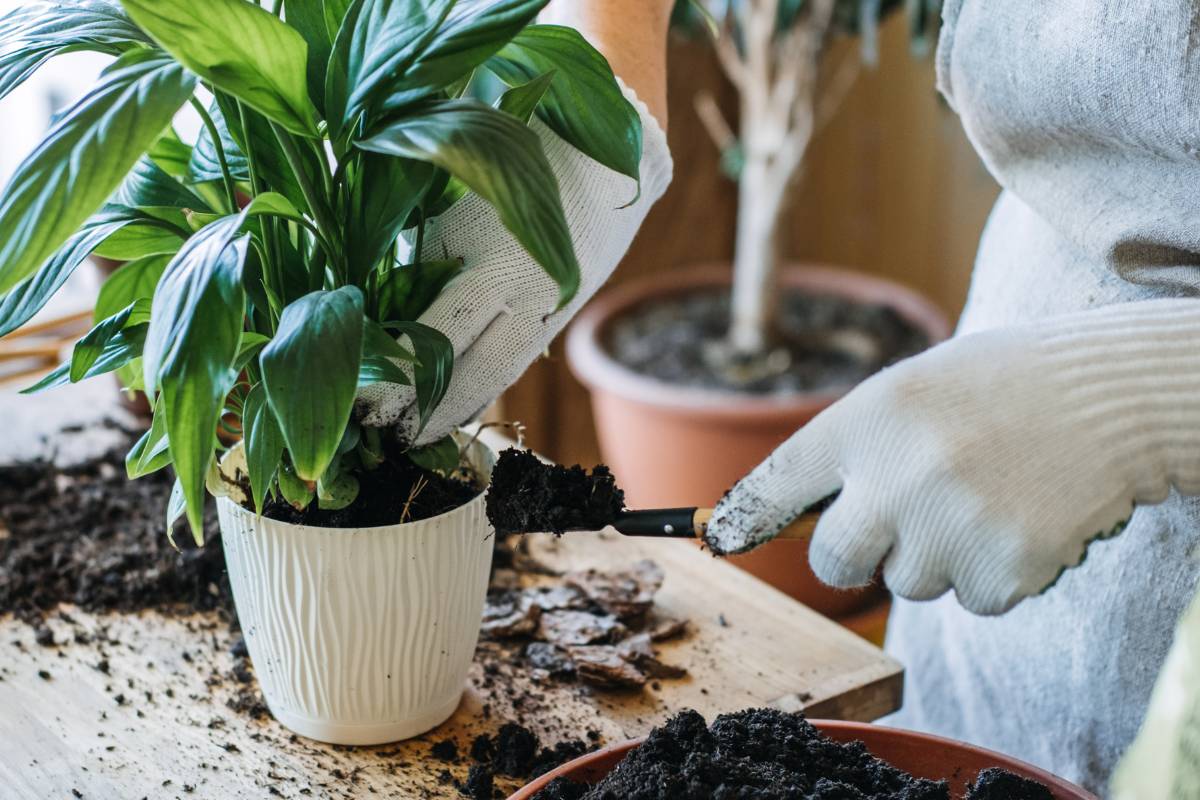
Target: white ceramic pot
[362, 635]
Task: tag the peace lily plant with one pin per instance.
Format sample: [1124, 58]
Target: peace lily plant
[268, 277]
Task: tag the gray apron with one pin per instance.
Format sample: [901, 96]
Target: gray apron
[1088, 114]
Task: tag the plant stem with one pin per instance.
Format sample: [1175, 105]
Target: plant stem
[271, 253]
[230, 187]
[325, 224]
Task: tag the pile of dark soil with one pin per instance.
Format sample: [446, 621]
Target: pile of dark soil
[514, 751]
[86, 534]
[396, 491]
[530, 496]
[822, 341]
[768, 755]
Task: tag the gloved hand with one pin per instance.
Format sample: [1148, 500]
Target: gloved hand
[988, 463]
[499, 313]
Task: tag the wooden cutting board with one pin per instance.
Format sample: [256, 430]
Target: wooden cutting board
[139, 709]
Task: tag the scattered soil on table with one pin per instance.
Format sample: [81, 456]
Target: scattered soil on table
[768, 755]
[530, 496]
[513, 752]
[396, 491]
[85, 534]
[823, 342]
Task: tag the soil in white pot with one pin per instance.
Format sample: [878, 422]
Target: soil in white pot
[821, 342]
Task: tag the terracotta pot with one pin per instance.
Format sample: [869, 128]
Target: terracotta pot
[682, 446]
[918, 754]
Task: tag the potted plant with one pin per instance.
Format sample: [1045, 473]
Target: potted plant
[269, 277]
[697, 375]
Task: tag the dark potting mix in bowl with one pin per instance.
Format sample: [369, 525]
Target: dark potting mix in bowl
[766, 754]
[824, 341]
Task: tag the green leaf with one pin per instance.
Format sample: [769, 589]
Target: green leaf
[271, 204]
[191, 345]
[377, 369]
[441, 456]
[18, 306]
[335, 16]
[33, 34]
[435, 361]
[147, 237]
[264, 443]
[205, 166]
[378, 342]
[249, 348]
[239, 48]
[522, 101]
[84, 157]
[298, 493]
[133, 281]
[150, 186]
[171, 154]
[503, 162]
[273, 167]
[151, 452]
[310, 370]
[379, 40]
[386, 191]
[176, 505]
[336, 491]
[89, 348]
[308, 18]
[473, 31]
[585, 105]
[406, 292]
[121, 348]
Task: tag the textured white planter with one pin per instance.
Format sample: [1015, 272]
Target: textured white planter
[361, 636]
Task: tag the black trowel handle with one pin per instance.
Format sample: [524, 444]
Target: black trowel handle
[691, 523]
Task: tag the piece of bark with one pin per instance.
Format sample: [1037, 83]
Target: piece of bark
[639, 651]
[627, 593]
[510, 614]
[602, 665]
[555, 598]
[551, 658]
[664, 629]
[568, 627]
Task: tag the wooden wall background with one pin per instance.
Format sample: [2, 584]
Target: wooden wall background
[892, 188]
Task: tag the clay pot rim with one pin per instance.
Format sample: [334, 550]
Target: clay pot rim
[595, 368]
[1061, 787]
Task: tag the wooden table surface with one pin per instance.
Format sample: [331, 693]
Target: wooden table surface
[155, 723]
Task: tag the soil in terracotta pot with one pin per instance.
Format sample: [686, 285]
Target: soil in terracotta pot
[768, 755]
[396, 491]
[530, 496]
[823, 342]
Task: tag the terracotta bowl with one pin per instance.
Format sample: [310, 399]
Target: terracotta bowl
[919, 754]
[683, 446]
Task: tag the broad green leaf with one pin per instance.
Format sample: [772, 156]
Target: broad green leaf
[133, 281]
[298, 493]
[88, 349]
[33, 34]
[522, 101]
[335, 15]
[585, 105]
[176, 506]
[172, 154]
[441, 456]
[84, 157]
[502, 161]
[435, 361]
[308, 17]
[190, 348]
[379, 41]
[205, 166]
[18, 306]
[147, 237]
[150, 186]
[386, 191]
[264, 443]
[310, 370]
[272, 165]
[122, 348]
[406, 292]
[238, 47]
[271, 204]
[473, 32]
[248, 349]
[377, 369]
[378, 342]
[336, 491]
[151, 452]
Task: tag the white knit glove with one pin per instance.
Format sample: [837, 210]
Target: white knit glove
[499, 313]
[989, 463]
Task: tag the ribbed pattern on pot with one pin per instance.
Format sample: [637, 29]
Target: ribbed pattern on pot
[359, 627]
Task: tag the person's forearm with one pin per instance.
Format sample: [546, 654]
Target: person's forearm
[631, 34]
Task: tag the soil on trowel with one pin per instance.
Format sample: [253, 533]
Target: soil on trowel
[396, 491]
[821, 342]
[530, 496]
[768, 755]
[85, 534]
